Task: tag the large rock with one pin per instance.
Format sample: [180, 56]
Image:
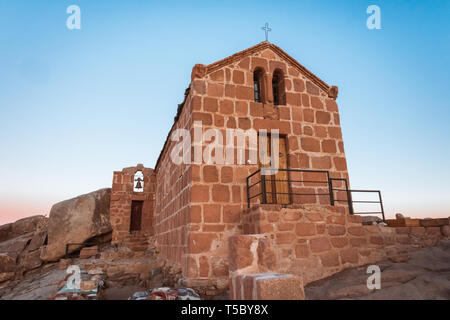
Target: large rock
[75, 221]
[26, 225]
[5, 232]
[14, 247]
[7, 263]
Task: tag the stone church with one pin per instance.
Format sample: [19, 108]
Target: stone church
[218, 221]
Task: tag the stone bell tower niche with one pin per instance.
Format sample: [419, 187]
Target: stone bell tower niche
[132, 202]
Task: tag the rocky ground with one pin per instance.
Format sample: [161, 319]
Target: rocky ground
[422, 274]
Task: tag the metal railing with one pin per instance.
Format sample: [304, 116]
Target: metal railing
[81, 245]
[327, 182]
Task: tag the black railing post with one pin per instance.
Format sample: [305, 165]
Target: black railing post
[381, 204]
[349, 197]
[330, 189]
[263, 187]
[248, 194]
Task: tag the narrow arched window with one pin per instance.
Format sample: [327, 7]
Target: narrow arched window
[258, 84]
[279, 96]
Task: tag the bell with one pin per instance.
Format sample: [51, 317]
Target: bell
[138, 184]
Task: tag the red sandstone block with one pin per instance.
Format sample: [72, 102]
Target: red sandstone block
[294, 99]
[334, 230]
[284, 238]
[210, 174]
[217, 75]
[349, 255]
[321, 163]
[272, 216]
[308, 115]
[299, 85]
[331, 105]
[305, 229]
[266, 228]
[417, 231]
[238, 77]
[205, 118]
[336, 219]
[285, 226]
[378, 240]
[215, 90]
[356, 231]
[314, 216]
[279, 287]
[220, 193]
[230, 91]
[231, 213]
[310, 144]
[244, 93]
[259, 62]
[322, 117]
[292, 216]
[329, 146]
[239, 251]
[210, 104]
[201, 242]
[212, 213]
[204, 266]
[339, 242]
[354, 218]
[319, 244]
[301, 251]
[340, 163]
[305, 101]
[316, 103]
[433, 231]
[320, 227]
[330, 259]
[283, 126]
[199, 193]
[311, 88]
[335, 132]
[266, 255]
[358, 242]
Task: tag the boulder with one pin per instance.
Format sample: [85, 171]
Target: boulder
[14, 247]
[31, 260]
[26, 225]
[76, 221]
[5, 232]
[7, 263]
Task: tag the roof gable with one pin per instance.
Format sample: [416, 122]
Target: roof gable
[202, 70]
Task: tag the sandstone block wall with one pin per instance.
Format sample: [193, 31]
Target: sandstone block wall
[122, 195]
[222, 98]
[318, 241]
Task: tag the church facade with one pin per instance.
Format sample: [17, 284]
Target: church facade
[198, 206]
[261, 228]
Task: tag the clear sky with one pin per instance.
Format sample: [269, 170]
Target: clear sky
[75, 105]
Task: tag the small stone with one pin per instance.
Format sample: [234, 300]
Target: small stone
[399, 216]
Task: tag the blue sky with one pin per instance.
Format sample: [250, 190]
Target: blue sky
[77, 104]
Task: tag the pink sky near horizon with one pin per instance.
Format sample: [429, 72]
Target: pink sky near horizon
[11, 211]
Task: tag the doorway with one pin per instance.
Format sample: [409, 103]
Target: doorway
[277, 184]
[136, 215]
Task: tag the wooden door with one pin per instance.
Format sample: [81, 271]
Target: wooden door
[136, 215]
[277, 184]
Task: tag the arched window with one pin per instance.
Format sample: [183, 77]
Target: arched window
[258, 84]
[279, 95]
[138, 182]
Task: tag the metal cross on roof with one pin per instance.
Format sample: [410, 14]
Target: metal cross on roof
[267, 30]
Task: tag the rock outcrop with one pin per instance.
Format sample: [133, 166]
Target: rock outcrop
[21, 227]
[76, 221]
